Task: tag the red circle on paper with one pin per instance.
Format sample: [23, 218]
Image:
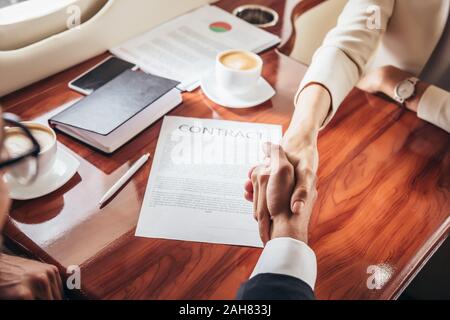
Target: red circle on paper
[220, 26]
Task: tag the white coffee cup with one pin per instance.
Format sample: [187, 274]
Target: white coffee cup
[46, 138]
[238, 71]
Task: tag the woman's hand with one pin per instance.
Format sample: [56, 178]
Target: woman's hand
[385, 79]
[304, 157]
[24, 279]
[300, 148]
[300, 142]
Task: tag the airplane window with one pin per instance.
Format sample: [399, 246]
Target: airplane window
[13, 11]
[5, 3]
[23, 22]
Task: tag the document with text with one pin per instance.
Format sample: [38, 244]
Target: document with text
[186, 47]
[195, 191]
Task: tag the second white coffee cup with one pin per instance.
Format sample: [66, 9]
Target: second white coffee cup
[238, 71]
[47, 141]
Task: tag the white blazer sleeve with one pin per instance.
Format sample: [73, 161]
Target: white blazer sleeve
[434, 107]
[339, 62]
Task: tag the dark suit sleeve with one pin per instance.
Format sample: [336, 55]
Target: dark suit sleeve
[270, 286]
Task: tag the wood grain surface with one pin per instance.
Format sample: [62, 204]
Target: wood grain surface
[384, 198]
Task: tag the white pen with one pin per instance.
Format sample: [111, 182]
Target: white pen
[135, 167]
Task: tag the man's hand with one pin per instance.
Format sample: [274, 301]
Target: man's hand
[294, 226]
[271, 187]
[302, 154]
[28, 279]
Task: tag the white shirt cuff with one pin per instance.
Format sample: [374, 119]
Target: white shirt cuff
[289, 257]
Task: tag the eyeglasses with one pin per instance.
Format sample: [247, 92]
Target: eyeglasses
[19, 161]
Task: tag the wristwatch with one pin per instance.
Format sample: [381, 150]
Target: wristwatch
[405, 89]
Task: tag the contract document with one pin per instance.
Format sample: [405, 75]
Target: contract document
[195, 191]
[184, 48]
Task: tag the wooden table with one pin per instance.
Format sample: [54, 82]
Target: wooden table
[384, 199]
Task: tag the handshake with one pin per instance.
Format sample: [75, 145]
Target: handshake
[283, 193]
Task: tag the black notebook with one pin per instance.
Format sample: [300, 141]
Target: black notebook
[119, 110]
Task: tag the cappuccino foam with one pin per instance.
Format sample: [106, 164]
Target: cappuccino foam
[239, 61]
[18, 143]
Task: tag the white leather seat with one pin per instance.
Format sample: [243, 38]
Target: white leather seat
[53, 48]
[312, 26]
[31, 21]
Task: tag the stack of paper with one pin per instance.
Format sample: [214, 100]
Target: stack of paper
[196, 187]
[185, 48]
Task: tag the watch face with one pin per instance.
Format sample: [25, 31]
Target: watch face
[405, 89]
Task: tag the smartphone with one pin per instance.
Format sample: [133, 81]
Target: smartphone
[99, 75]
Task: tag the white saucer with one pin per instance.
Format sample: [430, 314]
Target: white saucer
[63, 170]
[262, 92]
